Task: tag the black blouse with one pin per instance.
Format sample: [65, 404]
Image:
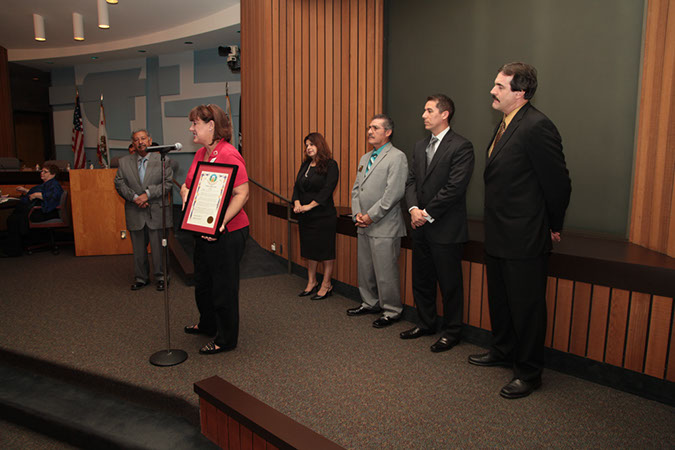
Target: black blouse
[318, 187]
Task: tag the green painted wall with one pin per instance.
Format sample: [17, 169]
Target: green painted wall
[587, 53]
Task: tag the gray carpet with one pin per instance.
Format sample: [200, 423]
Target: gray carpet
[358, 386]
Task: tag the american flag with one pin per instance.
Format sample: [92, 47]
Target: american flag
[78, 135]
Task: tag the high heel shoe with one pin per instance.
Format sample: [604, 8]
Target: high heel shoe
[310, 292]
[328, 293]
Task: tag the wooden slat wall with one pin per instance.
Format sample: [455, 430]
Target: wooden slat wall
[318, 67]
[6, 114]
[626, 329]
[652, 221]
[307, 65]
[226, 432]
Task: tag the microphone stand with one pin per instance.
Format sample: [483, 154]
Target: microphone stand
[168, 357]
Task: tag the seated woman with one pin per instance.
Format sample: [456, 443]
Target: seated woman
[47, 195]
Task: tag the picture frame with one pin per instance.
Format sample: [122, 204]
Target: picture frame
[209, 195]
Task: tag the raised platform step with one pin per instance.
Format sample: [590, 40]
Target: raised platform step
[88, 419]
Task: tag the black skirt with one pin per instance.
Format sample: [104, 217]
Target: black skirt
[317, 237]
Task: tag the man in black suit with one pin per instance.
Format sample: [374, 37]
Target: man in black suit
[527, 190]
[439, 174]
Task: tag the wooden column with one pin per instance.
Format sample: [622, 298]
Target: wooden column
[652, 221]
[307, 65]
[6, 115]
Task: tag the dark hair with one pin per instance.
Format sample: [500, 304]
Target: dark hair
[222, 128]
[524, 77]
[443, 103]
[53, 168]
[323, 154]
[388, 123]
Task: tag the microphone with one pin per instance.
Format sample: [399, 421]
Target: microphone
[164, 148]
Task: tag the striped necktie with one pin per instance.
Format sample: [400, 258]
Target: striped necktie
[371, 161]
[500, 132]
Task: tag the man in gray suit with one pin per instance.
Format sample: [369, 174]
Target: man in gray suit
[139, 183]
[377, 191]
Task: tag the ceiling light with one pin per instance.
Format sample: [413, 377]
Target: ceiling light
[78, 27]
[39, 27]
[112, 2]
[103, 21]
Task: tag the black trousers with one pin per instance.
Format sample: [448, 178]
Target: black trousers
[517, 299]
[17, 226]
[217, 285]
[442, 264]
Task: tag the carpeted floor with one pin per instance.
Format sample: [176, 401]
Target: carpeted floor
[358, 386]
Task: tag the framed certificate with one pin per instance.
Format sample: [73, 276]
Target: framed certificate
[208, 198]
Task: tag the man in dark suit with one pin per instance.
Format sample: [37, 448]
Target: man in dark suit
[139, 183]
[439, 174]
[527, 190]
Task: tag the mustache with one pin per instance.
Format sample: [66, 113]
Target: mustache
[494, 97]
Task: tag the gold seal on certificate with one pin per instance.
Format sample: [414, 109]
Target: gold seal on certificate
[209, 196]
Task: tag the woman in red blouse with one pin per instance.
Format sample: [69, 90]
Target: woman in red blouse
[217, 260]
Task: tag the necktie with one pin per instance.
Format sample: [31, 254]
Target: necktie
[141, 168]
[500, 132]
[431, 149]
[370, 161]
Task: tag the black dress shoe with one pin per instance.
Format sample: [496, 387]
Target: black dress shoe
[415, 333]
[518, 388]
[385, 321]
[361, 310]
[161, 285]
[328, 293]
[444, 344]
[488, 359]
[310, 292]
[139, 285]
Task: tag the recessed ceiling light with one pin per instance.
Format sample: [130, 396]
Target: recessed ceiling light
[112, 2]
[78, 27]
[39, 28]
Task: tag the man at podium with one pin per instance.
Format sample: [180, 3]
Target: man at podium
[139, 183]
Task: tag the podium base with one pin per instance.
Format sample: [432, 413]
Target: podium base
[166, 358]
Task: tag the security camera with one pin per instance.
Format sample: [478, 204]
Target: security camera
[231, 52]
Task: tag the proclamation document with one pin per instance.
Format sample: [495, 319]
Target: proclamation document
[208, 198]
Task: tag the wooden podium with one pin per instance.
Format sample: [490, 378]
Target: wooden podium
[99, 224]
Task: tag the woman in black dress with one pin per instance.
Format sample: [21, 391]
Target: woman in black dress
[313, 202]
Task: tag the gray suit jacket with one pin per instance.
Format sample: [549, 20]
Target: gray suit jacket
[379, 192]
[128, 184]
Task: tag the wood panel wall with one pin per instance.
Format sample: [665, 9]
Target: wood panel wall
[652, 222]
[6, 114]
[632, 330]
[316, 67]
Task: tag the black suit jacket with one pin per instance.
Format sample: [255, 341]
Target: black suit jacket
[440, 189]
[527, 187]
